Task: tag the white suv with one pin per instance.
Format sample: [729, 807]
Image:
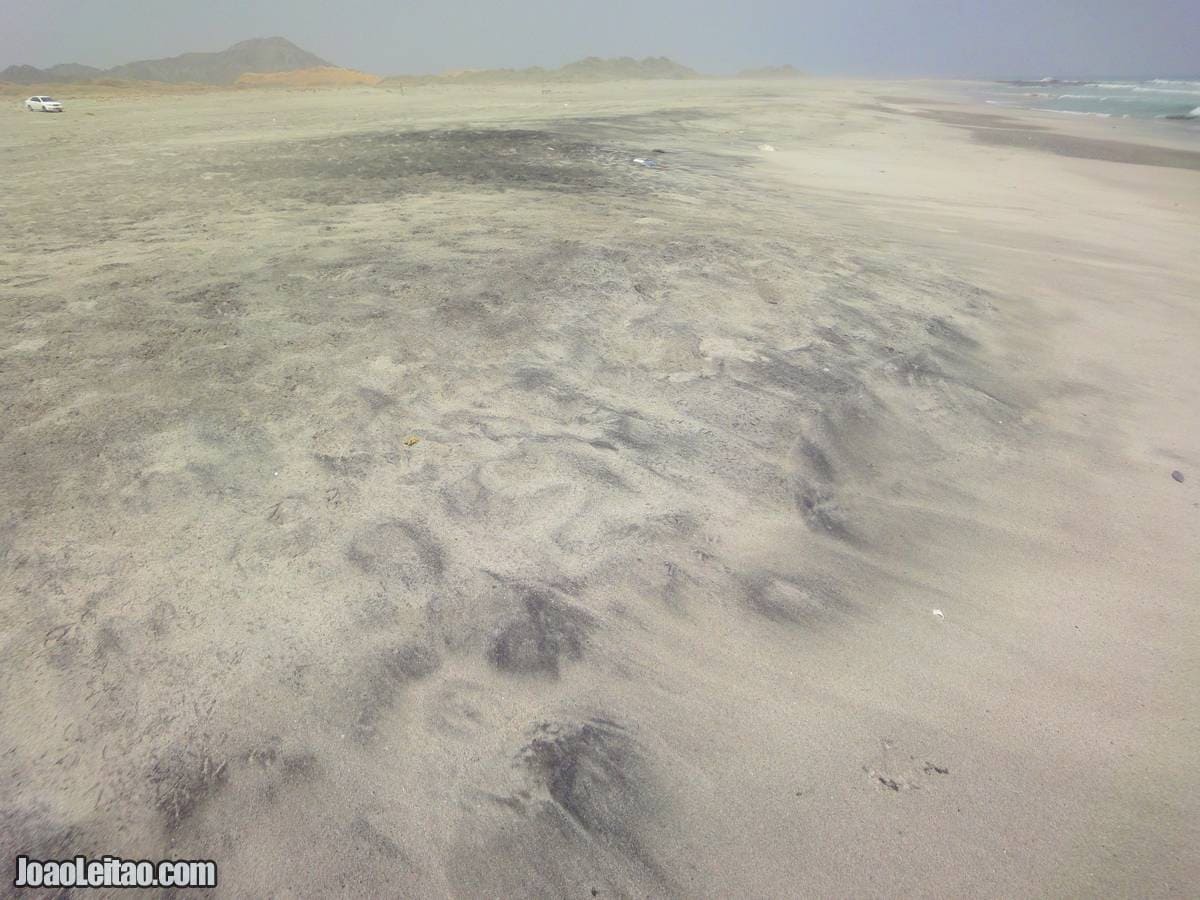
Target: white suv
[45, 104]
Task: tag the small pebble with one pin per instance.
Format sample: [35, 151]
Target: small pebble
[1178, 476]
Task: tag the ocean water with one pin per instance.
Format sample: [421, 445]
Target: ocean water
[1169, 99]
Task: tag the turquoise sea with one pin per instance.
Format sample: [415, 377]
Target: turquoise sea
[1171, 99]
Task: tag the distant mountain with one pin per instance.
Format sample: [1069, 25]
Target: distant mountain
[591, 69]
[72, 72]
[224, 67]
[771, 72]
[258, 55]
[22, 75]
[595, 69]
[266, 56]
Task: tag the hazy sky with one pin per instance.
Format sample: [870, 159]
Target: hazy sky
[903, 37]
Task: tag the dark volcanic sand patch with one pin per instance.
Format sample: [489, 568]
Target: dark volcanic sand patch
[977, 120]
[377, 166]
[1004, 131]
[1089, 148]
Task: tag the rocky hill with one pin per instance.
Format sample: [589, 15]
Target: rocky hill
[260, 55]
[24, 75]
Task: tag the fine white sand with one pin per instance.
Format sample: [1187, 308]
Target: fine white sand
[413, 495]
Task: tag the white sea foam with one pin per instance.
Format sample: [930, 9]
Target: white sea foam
[1183, 87]
[1193, 92]
[1104, 98]
[1074, 112]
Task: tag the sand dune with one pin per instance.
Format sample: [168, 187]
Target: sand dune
[321, 76]
[418, 496]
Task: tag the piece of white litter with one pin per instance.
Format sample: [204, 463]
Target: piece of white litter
[939, 614]
[766, 148]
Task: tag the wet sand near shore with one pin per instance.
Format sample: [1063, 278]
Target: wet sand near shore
[1007, 132]
[415, 495]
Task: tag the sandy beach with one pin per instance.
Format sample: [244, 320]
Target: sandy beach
[706, 489]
